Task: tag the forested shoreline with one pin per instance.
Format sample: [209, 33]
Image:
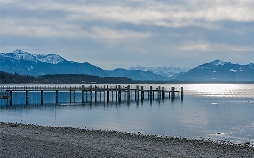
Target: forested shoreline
[61, 78]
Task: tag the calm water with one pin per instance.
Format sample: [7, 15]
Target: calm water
[206, 110]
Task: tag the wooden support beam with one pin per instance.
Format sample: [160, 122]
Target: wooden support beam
[27, 97]
[41, 96]
[56, 96]
[11, 98]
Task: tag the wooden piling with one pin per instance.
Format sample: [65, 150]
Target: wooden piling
[112, 92]
[159, 92]
[173, 92]
[70, 95]
[104, 92]
[86, 95]
[95, 93]
[137, 90]
[116, 92]
[10, 97]
[163, 93]
[56, 96]
[41, 97]
[151, 93]
[181, 93]
[119, 93]
[27, 98]
[100, 95]
[142, 93]
[128, 92]
[83, 98]
[74, 96]
[82, 91]
[107, 94]
[91, 92]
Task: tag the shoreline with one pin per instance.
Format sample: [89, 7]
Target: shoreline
[28, 140]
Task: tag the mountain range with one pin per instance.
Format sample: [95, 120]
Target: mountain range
[167, 72]
[25, 63]
[38, 64]
[220, 71]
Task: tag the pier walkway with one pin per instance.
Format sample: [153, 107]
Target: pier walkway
[94, 91]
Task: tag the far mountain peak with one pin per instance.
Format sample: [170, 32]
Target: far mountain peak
[22, 55]
[218, 62]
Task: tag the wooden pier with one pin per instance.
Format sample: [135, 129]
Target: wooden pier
[117, 92]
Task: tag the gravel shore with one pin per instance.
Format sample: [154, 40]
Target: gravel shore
[20, 140]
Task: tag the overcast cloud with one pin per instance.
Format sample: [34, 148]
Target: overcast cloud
[113, 34]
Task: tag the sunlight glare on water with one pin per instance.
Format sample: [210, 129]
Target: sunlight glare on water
[216, 90]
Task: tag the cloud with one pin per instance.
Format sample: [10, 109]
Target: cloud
[195, 46]
[211, 47]
[107, 33]
[68, 31]
[160, 13]
[167, 31]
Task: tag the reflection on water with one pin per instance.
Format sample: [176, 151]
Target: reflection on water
[227, 114]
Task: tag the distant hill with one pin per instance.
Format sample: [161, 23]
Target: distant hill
[38, 64]
[62, 78]
[136, 75]
[15, 78]
[169, 72]
[219, 71]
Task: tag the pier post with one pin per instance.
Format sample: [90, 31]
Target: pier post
[135, 94]
[56, 96]
[173, 92]
[86, 95]
[104, 92]
[91, 92]
[95, 93]
[10, 97]
[27, 97]
[100, 94]
[182, 93]
[41, 97]
[151, 93]
[116, 92]
[70, 95]
[82, 91]
[107, 94]
[142, 93]
[137, 89]
[112, 92]
[163, 93]
[83, 98]
[119, 93]
[74, 96]
[159, 92]
[128, 94]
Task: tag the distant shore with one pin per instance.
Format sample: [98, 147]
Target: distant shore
[20, 140]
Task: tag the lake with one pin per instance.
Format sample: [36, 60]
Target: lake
[214, 111]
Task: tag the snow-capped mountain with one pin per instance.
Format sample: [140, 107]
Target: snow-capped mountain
[25, 63]
[220, 71]
[22, 55]
[168, 72]
[136, 74]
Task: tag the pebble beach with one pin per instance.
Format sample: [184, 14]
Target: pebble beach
[27, 140]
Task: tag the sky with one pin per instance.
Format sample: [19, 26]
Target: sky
[120, 34]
